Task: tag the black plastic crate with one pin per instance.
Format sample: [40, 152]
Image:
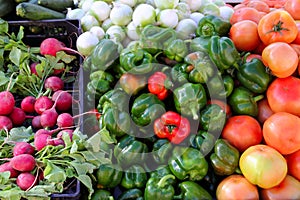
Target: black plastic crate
[73, 191]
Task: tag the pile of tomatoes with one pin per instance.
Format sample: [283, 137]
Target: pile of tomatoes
[270, 143]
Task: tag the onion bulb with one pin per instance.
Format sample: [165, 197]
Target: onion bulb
[143, 15]
[121, 14]
[165, 4]
[186, 29]
[100, 10]
[86, 42]
[167, 18]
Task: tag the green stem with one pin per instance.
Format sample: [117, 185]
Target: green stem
[257, 98]
[163, 181]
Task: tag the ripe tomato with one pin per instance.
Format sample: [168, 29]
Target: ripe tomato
[289, 188]
[297, 39]
[236, 187]
[264, 110]
[282, 132]
[293, 7]
[244, 13]
[262, 165]
[277, 26]
[281, 58]
[244, 35]
[283, 95]
[259, 5]
[242, 131]
[293, 162]
[251, 56]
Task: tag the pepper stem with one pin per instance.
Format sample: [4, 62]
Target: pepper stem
[194, 114]
[163, 181]
[257, 98]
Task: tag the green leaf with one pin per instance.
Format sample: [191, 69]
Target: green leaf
[17, 56]
[21, 134]
[3, 26]
[4, 177]
[66, 58]
[83, 168]
[86, 180]
[12, 194]
[20, 33]
[3, 79]
[53, 173]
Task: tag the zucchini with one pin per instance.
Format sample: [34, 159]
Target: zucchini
[36, 12]
[6, 6]
[58, 5]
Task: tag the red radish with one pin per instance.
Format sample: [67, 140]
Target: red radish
[63, 100]
[57, 141]
[68, 131]
[44, 131]
[33, 68]
[17, 116]
[7, 167]
[23, 148]
[27, 104]
[23, 162]
[65, 120]
[7, 102]
[50, 46]
[42, 103]
[36, 122]
[48, 118]
[26, 180]
[41, 140]
[5, 123]
[54, 83]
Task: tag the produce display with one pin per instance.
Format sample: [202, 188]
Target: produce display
[154, 99]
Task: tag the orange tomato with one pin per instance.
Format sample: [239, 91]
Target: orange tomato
[262, 165]
[236, 187]
[244, 13]
[293, 7]
[282, 132]
[244, 35]
[293, 162]
[289, 188]
[277, 26]
[297, 39]
[281, 58]
[259, 5]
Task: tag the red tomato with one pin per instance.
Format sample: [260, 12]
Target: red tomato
[293, 7]
[264, 110]
[244, 13]
[289, 188]
[251, 56]
[293, 161]
[259, 5]
[244, 35]
[262, 165]
[282, 132]
[242, 131]
[283, 95]
[297, 40]
[236, 187]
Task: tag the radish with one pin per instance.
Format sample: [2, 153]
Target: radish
[41, 140]
[57, 141]
[5, 123]
[63, 100]
[23, 162]
[36, 122]
[33, 68]
[69, 131]
[26, 180]
[5, 167]
[65, 120]
[50, 46]
[43, 131]
[48, 118]
[17, 116]
[42, 103]
[23, 148]
[7, 102]
[27, 104]
[54, 83]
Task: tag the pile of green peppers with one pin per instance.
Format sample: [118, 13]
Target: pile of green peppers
[207, 67]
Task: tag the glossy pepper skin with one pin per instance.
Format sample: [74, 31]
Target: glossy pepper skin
[199, 43]
[134, 177]
[161, 151]
[189, 99]
[254, 76]
[225, 158]
[191, 190]
[116, 98]
[108, 175]
[172, 126]
[220, 87]
[159, 188]
[102, 194]
[130, 151]
[176, 50]
[188, 164]
[134, 193]
[146, 108]
[203, 141]
[180, 73]
[243, 102]
[203, 69]
[212, 118]
[210, 25]
[162, 171]
[223, 52]
[132, 84]
[159, 84]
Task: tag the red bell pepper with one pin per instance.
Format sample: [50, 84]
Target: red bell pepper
[158, 84]
[172, 126]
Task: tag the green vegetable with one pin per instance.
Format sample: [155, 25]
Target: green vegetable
[162, 171]
[210, 25]
[188, 164]
[192, 190]
[180, 73]
[199, 44]
[134, 177]
[189, 99]
[131, 194]
[161, 151]
[176, 50]
[212, 118]
[116, 98]
[58, 5]
[6, 6]
[203, 141]
[108, 175]
[225, 158]
[36, 12]
[220, 87]
[102, 194]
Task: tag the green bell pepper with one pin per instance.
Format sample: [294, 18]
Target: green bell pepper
[225, 158]
[131, 194]
[180, 73]
[116, 98]
[161, 171]
[189, 99]
[191, 190]
[203, 141]
[176, 50]
[102, 194]
[108, 175]
[220, 87]
[210, 25]
[130, 151]
[253, 75]
[243, 102]
[188, 164]
[134, 177]
[146, 108]
[203, 69]
[199, 44]
[161, 151]
[159, 188]
[212, 118]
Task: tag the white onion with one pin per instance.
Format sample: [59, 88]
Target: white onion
[194, 5]
[167, 18]
[86, 5]
[76, 13]
[226, 12]
[87, 22]
[130, 3]
[131, 31]
[183, 10]
[165, 4]
[121, 14]
[100, 10]
[98, 31]
[86, 42]
[210, 9]
[116, 33]
[106, 24]
[196, 16]
[186, 29]
[143, 15]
